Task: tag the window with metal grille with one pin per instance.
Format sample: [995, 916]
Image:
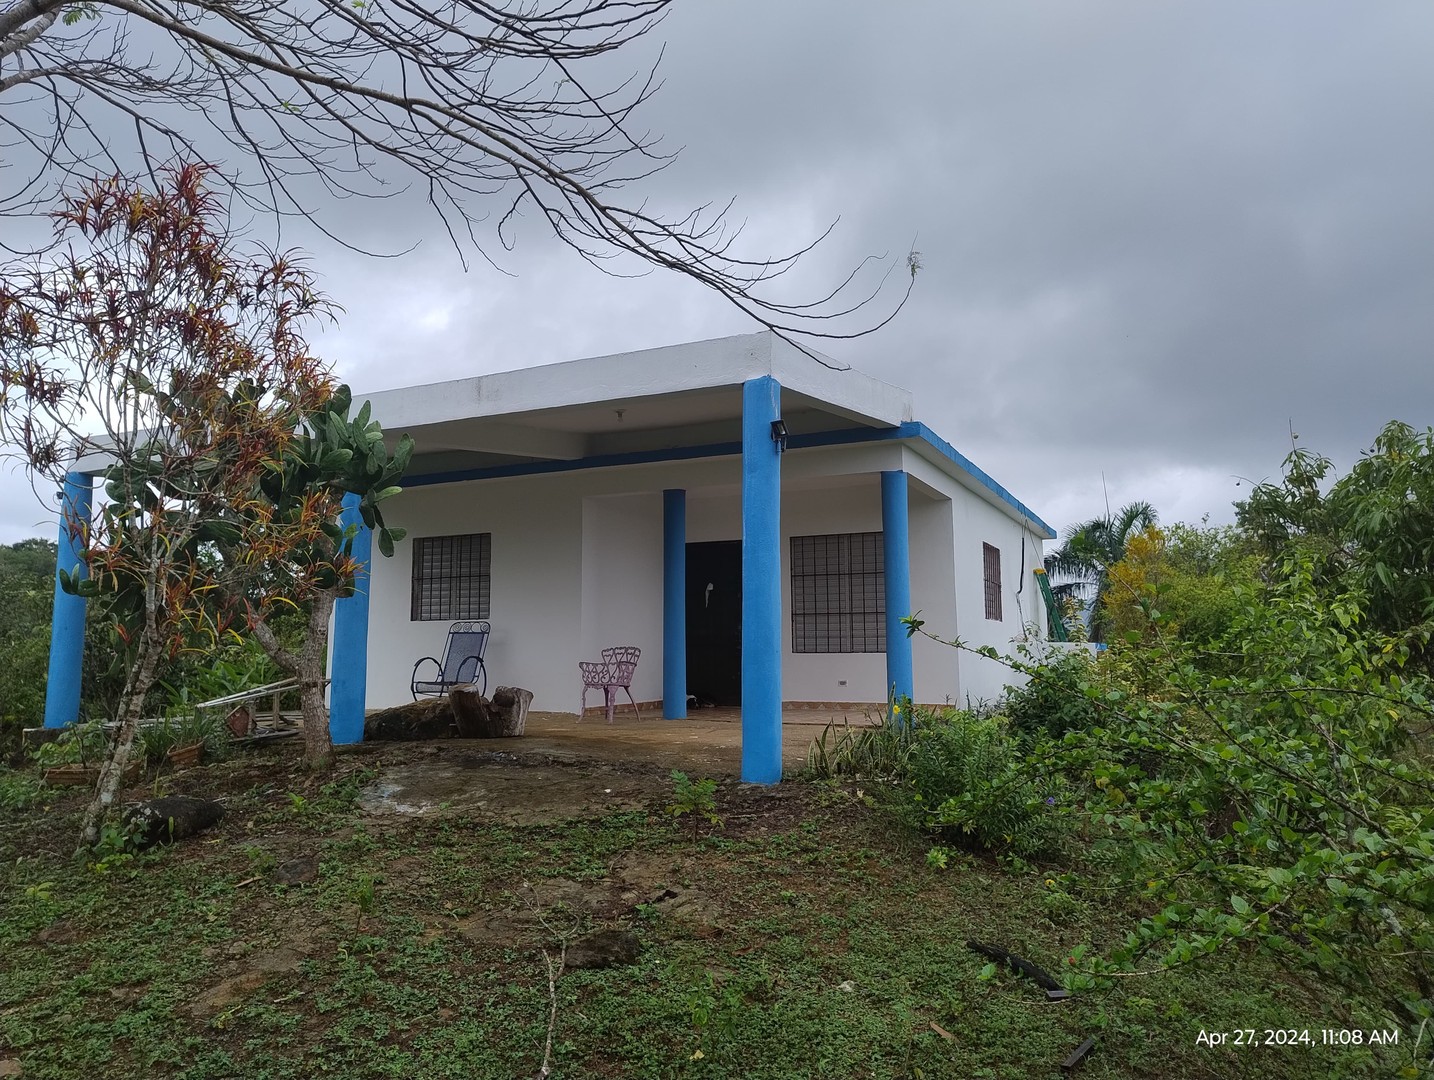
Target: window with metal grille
[838, 593]
[451, 577]
[991, 560]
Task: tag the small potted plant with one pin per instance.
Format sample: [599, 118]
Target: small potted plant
[182, 757]
[73, 759]
[196, 735]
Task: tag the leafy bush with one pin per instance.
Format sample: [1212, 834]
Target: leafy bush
[27, 582]
[866, 753]
[1194, 578]
[972, 786]
[19, 790]
[78, 744]
[1370, 532]
[1286, 802]
[240, 665]
[1053, 701]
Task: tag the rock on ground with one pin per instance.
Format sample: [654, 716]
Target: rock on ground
[173, 817]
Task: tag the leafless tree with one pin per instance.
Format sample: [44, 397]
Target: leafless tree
[471, 101]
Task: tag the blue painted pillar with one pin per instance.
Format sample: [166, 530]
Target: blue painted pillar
[67, 628]
[349, 670]
[761, 583]
[674, 604]
[897, 548]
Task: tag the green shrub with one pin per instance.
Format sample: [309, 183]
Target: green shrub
[78, 744]
[20, 790]
[865, 753]
[185, 727]
[973, 787]
[1054, 702]
[240, 664]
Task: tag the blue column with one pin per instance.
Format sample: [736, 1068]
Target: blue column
[67, 628]
[897, 547]
[674, 604]
[349, 670]
[761, 584]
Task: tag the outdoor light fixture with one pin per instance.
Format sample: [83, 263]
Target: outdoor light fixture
[779, 434]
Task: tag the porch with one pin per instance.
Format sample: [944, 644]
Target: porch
[707, 743]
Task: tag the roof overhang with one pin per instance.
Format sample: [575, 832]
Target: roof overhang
[656, 399]
[679, 402]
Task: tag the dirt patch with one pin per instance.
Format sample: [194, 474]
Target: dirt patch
[227, 993]
[604, 949]
[749, 808]
[696, 911]
[256, 966]
[468, 786]
[59, 932]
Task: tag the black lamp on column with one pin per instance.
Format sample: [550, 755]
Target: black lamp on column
[779, 434]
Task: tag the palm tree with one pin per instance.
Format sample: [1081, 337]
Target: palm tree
[1089, 550]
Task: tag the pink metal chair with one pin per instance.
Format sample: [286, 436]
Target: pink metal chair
[612, 673]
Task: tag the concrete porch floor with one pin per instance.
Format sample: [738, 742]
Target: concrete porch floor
[708, 743]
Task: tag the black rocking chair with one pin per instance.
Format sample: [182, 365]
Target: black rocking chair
[462, 661]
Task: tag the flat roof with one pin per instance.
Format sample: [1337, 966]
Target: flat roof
[674, 401]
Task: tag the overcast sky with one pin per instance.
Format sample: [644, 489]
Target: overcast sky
[1154, 236]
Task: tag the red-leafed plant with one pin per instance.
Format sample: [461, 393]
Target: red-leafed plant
[149, 345]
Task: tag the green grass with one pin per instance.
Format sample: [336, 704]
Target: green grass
[809, 938]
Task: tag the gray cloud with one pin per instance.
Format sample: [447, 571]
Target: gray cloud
[1153, 235]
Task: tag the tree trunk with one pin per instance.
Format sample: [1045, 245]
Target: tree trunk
[307, 666]
[312, 659]
[140, 682]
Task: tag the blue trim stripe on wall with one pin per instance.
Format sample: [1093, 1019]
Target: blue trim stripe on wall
[911, 430]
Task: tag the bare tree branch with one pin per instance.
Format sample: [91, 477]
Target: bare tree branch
[460, 100]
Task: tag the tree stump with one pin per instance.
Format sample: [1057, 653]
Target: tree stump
[429, 718]
[479, 718]
[470, 712]
[511, 703]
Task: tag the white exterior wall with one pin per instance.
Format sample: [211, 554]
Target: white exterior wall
[547, 613]
[829, 676]
[537, 585]
[936, 668]
[622, 589]
[577, 565]
[977, 522]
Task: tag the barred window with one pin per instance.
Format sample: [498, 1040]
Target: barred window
[838, 593]
[991, 560]
[451, 577]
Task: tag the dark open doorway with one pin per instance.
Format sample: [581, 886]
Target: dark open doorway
[714, 622]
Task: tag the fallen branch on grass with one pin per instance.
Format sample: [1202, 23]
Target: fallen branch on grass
[1020, 965]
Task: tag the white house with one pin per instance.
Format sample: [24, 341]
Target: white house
[756, 521]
